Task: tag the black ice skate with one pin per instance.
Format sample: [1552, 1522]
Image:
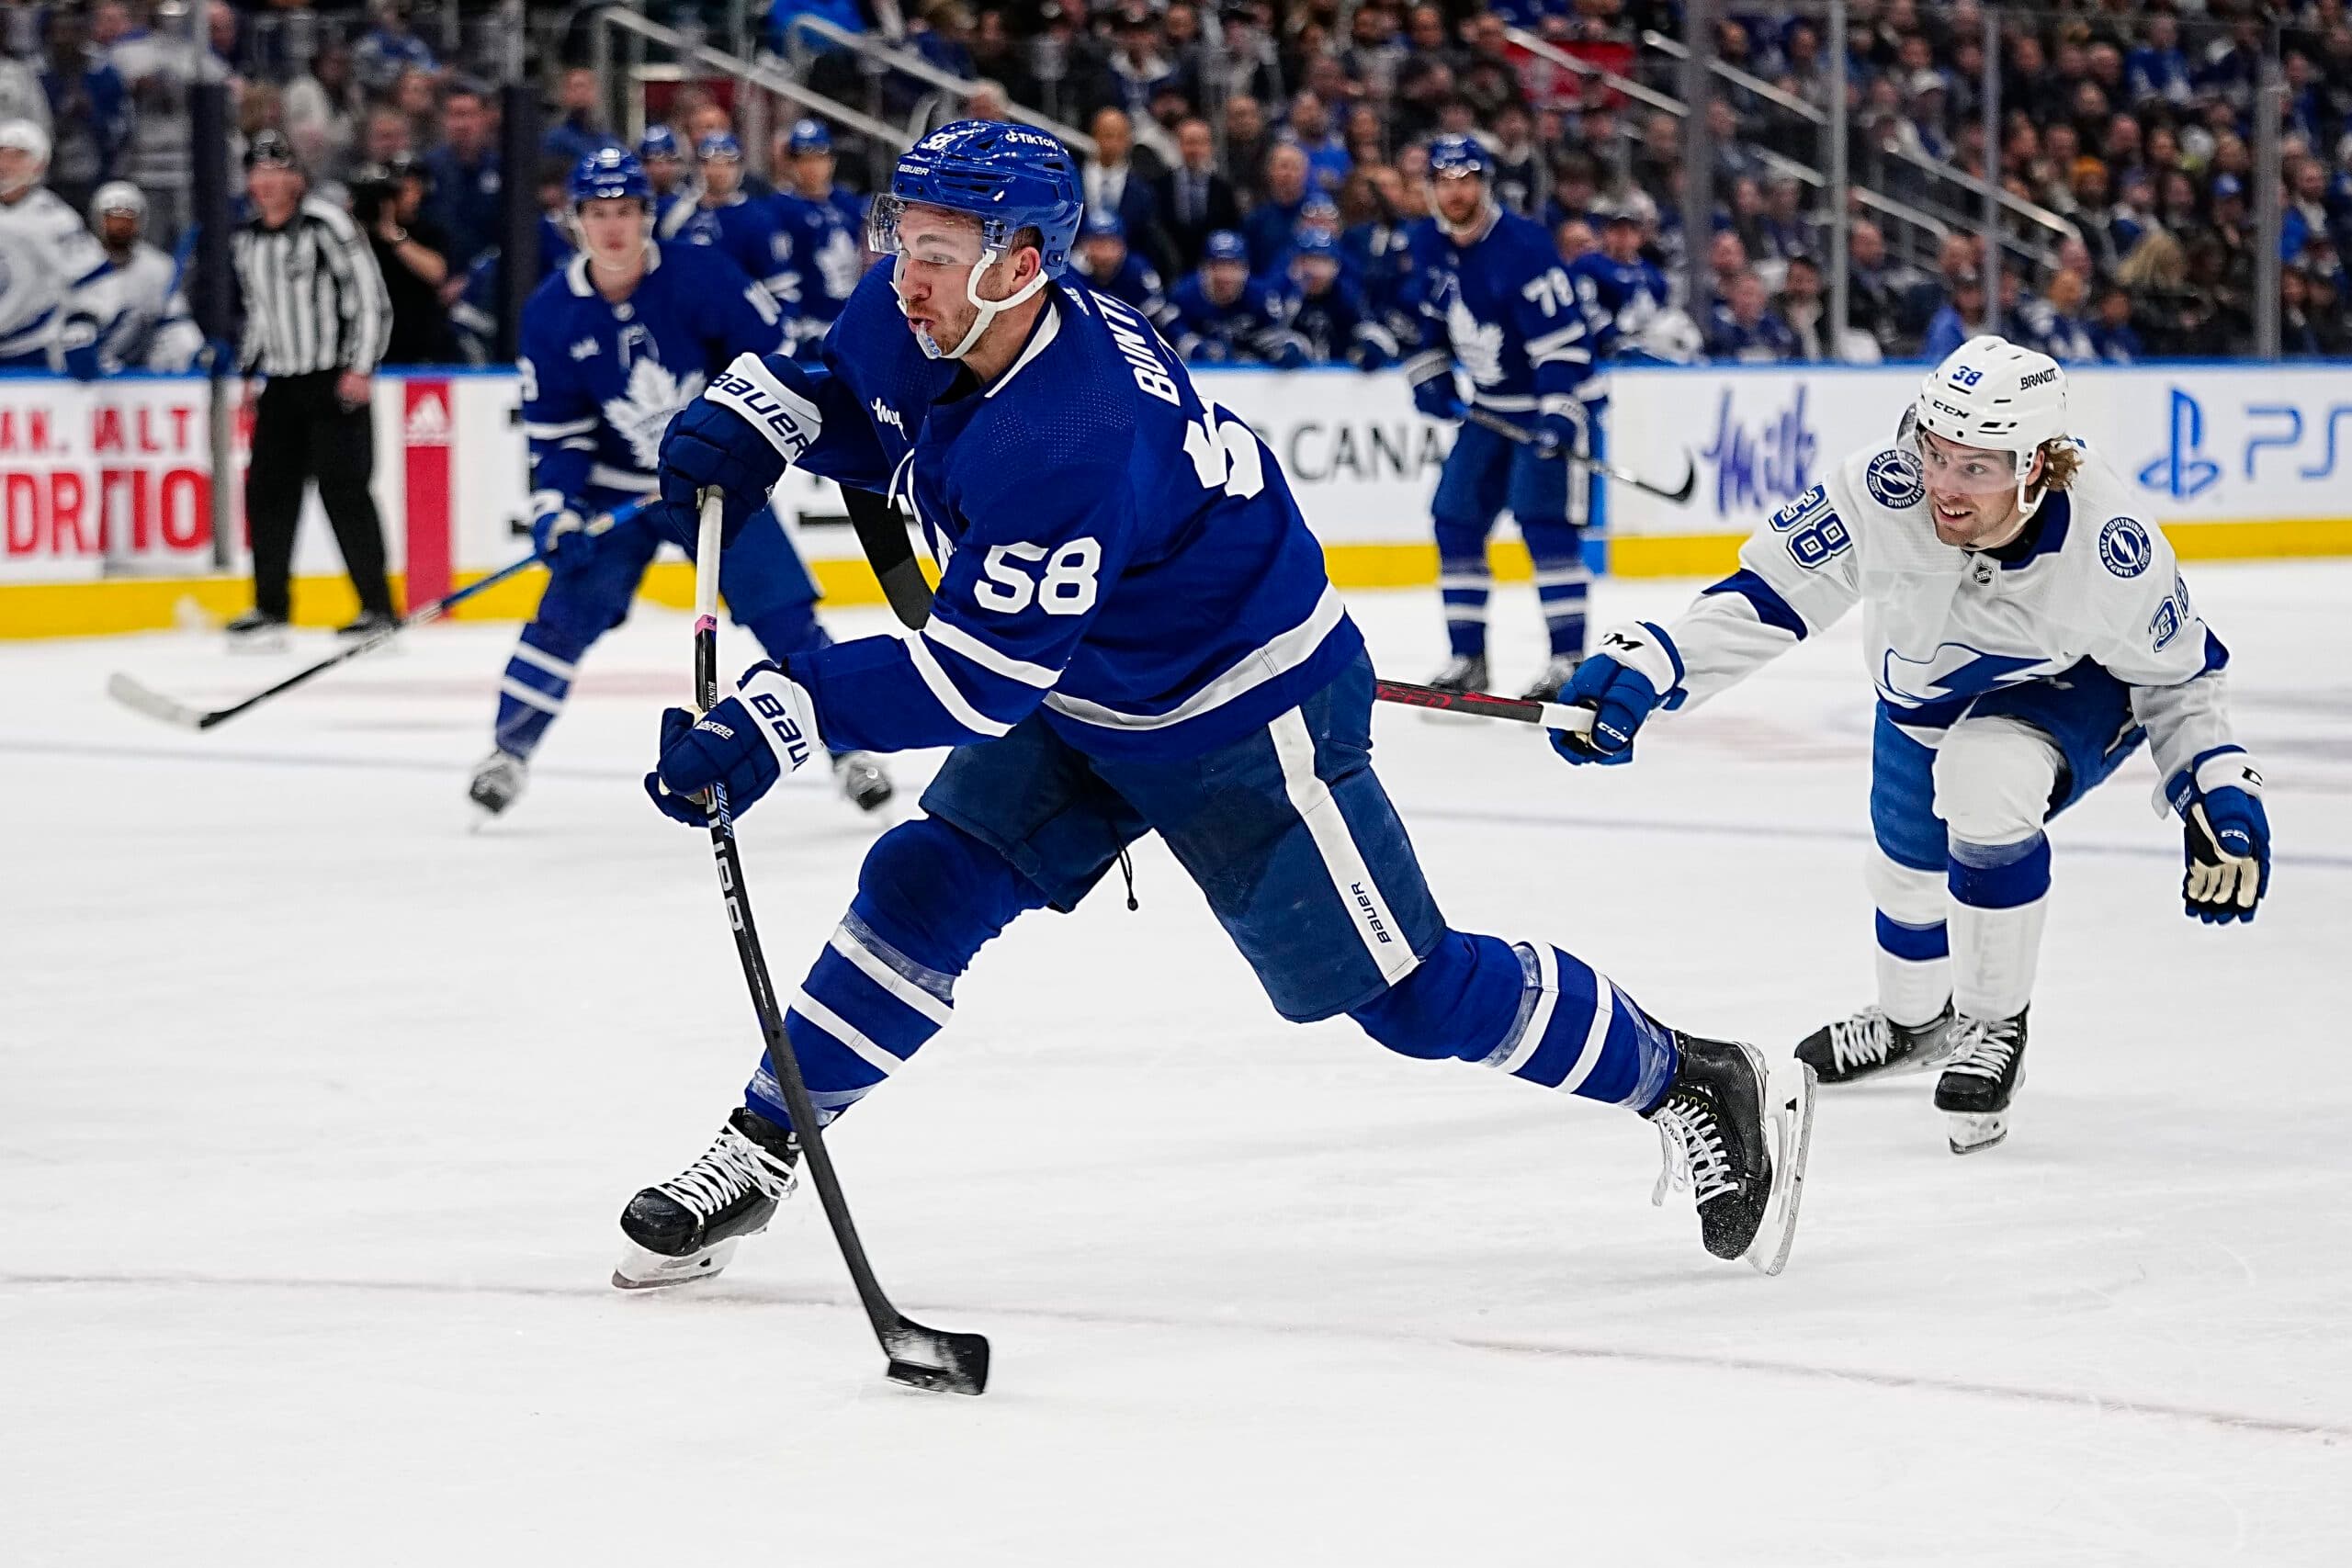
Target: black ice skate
[1870, 1043]
[863, 782]
[1737, 1135]
[1463, 672]
[1557, 674]
[498, 782]
[687, 1227]
[369, 623]
[254, 632]
[1987, 1065]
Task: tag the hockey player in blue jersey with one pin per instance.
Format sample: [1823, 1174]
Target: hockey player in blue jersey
[612, 347]
[1497, 302]
[1221, 315]
[1133, 634]
[825, 228]
[747, 231]
[1623, 291]
[1105, 264]
[1321, 308]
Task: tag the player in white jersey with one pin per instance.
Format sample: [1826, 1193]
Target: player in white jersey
[144, 324]
[48, 262]
[2026, 630]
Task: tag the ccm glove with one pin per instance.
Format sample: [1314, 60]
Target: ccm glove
[710, 446]
[1636, 668]
[2227, 836]
[746, 743]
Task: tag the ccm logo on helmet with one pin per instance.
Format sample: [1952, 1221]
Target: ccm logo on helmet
[2039, 377]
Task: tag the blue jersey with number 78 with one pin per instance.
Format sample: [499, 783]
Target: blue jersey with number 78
[1111, 545]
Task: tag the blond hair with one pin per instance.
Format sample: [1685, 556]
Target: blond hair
[2061, 461]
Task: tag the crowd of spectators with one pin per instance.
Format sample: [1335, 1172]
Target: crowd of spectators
[2130, 125]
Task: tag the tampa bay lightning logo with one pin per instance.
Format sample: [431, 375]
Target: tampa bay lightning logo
[2123, 546]
[1892, 480]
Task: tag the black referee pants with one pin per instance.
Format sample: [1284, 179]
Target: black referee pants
[302, 432]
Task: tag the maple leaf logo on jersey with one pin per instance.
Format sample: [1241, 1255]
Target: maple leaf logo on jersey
[1479, 348]
[841, 262]
[643, 409]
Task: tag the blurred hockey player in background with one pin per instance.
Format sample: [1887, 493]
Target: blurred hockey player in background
[146, 325]
[50, 265]
[1496, 303]
[1133, 634]
[745, 231]
[1220, 315]
[822, 222]
[1624, 293]
[612, 347]
[1321, 306]
[1105, 264]
[671, 176]
[2026, 630]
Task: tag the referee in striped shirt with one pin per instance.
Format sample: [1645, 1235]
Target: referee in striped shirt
[317, 320]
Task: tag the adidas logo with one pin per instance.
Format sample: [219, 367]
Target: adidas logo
[428, 421]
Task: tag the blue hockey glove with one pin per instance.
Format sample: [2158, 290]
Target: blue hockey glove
[1436, 396]
[559, 535]
[1635, 669]
[77, 342]
[709, 447]
[1557, 432]
[1290, 355]
[746, 743]
[2227, 836]
[1371, 358]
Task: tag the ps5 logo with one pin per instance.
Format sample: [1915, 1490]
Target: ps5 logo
[2182, 469]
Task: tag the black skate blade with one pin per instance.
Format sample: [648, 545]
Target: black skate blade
[937, 1362]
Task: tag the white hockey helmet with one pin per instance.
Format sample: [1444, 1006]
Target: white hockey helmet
[26, 137]
[118, 195]
[1990, 394]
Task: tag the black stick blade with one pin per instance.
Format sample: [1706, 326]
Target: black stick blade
[937, 1362]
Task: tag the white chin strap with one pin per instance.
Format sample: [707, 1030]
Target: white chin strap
[984, 311]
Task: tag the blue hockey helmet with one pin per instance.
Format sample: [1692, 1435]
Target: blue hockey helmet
[719, 144]
[1459, 156]
[809, 136]
[1314, 242]
[1006, 179]
[610, 174]
[1225, 245]
[1103, 225]
[660, 141]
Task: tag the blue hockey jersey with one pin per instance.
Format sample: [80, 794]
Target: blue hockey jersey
[1247, 331]
[1620, 299]
[1112, 546]
[827, 255]
[601, 382]
[1502, 307]
[1334, 326]
[747, 231]
[1135, 283]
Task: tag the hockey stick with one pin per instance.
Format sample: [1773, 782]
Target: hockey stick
[1525, 437]
[142, 698]
[1486, 705]
[919, 1357]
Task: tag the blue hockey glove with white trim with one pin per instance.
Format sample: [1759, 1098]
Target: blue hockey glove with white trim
[711, 446]
[765, 730]
[2226, 833]
[558, 533]
[1436, 396]
[1559, 429]
[1636, 668]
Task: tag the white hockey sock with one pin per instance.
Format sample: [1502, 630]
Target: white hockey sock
[1912, 952]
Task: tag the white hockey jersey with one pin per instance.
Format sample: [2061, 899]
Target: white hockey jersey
[48, 260]
[144, 320]
[2091, 578]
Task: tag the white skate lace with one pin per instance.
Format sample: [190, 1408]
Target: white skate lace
[1983, 1048]
[1696, 1155]
[732, 1167]
[1863, 1040]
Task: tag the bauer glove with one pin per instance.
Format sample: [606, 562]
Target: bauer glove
[710, 446]
[2227, 834]
[1635, 669]
[765, 730]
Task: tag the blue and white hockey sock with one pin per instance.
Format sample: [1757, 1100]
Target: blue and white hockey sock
[866, 1008]
[1914, 950]
[1999, 902]
[1562, 584]
[531, 693]
[1464, 584]
[1527, 1010]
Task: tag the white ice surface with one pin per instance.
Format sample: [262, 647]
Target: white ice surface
[316, 1112]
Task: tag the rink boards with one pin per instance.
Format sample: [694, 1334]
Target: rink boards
[106, 490]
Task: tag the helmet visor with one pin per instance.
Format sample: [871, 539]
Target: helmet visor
[1952, 469]
[932, 235]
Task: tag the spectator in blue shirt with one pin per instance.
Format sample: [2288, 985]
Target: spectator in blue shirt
[1328, 163]
[1270, 223]
[465, 201]
[2113, 340]
[388, 48]
[88, 106]
[1961, 317]
[1745, 331]
[2158, 69]
[576, 131]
